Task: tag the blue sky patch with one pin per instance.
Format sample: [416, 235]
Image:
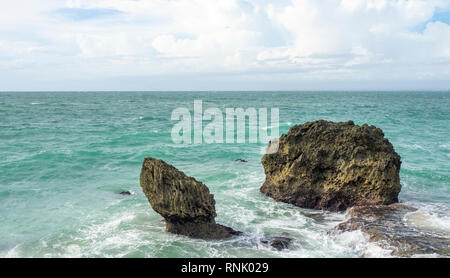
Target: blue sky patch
[443, 17]
[78, 14]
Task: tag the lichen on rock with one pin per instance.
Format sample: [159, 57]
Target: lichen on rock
[333, 165]
[185, 203]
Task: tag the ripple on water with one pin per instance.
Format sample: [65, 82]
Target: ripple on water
[65, 156]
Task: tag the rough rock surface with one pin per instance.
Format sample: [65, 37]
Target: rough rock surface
[185, 203]
[332, 165]
[386, 225]
[278, 242]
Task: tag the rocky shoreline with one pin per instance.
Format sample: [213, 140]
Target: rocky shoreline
[386, 226]
[334, 166]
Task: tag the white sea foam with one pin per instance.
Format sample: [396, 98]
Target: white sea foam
[122, 233]
[429, 218]
[13, 252]
[359, 242]
[412, 147]
[445, 146]
[434, 255]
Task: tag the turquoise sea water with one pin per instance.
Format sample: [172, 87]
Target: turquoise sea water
[65, 156]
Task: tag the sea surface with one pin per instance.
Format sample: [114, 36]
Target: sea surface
[66, 156]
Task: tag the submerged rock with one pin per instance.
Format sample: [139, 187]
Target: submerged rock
[385, 225]
[185, 203]
[278, 242]
[332, 165]
[240, 160]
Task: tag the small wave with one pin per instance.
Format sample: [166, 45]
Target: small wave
[13, 252]
[359, 242]
[117, 237]
[413, 147]
[434, 255]
[269, 127]
[445, 146]
[429, 220]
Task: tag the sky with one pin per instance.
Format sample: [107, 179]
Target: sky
[79, 45]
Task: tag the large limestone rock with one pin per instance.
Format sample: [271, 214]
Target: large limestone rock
[329, 165]
[185, 203]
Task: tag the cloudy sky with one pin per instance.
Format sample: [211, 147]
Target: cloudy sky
[224, 44]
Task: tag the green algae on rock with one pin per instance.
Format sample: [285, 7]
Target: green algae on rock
[185, 203]
[333, 165]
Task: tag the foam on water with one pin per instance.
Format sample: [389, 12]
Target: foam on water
[359, 243]
[432, 217]
[64, 161]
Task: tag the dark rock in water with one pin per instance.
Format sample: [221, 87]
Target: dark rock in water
[241, 160]
[329, 165]
[185, 203]
[278, 242]
[385, 225]
[125, 193]
[281, 243]
[318, 217]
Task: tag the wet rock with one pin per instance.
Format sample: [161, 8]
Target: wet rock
[281, 243]
[385, 226]
[318, 217]
[185, 203]
[240, 160]
[332, 165]
[278, 242]
[125, 193]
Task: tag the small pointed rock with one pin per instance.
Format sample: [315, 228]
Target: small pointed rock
[185, 203]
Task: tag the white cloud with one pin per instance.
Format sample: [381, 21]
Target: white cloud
[309, 39]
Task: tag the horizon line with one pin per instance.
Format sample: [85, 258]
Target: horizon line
[222, 91]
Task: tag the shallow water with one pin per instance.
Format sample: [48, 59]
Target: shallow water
[64, 157]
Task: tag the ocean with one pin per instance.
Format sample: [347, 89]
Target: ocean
[66, 156]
